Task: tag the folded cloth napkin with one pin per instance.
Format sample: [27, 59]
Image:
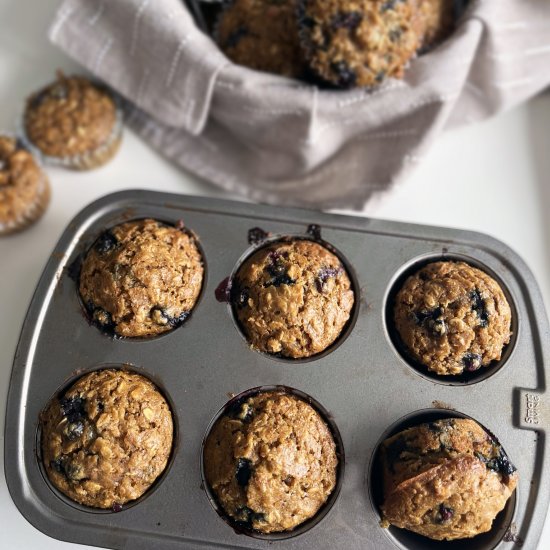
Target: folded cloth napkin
[282, 141]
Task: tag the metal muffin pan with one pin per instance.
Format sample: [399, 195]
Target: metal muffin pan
[364, 382]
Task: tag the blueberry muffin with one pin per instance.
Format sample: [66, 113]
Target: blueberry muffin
[271, 462]
[262, 35]
[107, 438]
[24, 188]
[359, 42]
[141, 278]
[445, 480]
[452, 318]
[73, 122]
[437, 20]
[292, 298]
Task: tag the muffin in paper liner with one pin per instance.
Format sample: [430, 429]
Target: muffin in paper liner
[72, 122]
[24, 187]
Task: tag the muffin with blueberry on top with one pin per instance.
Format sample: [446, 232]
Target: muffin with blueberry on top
[107, 438]
[292, 298]
[360, 43]
[445, 480]
[271, 462]
[452, 318]
[141, 278]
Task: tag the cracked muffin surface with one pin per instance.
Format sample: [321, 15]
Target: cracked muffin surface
[445, 480]
[292, 298]
[452, 318]
[262, 35]
[358, 43]
[141, 278]
[24, 187]
[73, 119]
[271, 462]
[107, 438]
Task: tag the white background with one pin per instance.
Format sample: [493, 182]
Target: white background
[493, 177]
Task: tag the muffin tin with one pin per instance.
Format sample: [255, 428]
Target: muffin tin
[363, 381]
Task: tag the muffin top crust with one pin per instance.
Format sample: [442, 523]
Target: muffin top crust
[271, 462]
[107, 438]
[452, 318]
[70, 117]
[141, 278]
[292, 298]
[355, 43]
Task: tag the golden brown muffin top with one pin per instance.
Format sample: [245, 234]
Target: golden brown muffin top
[452, 317]
[107, 438]
[271, 462]
[70, 117]
[355, 43]
[141, 278]
[292, 298]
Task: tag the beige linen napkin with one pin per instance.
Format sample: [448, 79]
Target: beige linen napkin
[282, 141]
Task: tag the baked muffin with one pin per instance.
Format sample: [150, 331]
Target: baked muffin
[271, 462]
[107, 438]
[73, 122]
[358, 42]
[437, 21]
[445, 480]
[262, 35]
[24, 187]
[292, 298]
[141, 278]
[452, 318]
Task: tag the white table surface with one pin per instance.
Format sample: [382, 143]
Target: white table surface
[493, 177]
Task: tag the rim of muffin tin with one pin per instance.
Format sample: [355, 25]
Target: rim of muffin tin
[347, 329]
[398, 346]
[111, 334]
[323, 511]
[409, 540]
[77, 375]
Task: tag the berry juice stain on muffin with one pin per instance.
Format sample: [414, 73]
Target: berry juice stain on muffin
[141, 278]
[445, 480]
[24, 188]
[271, 462]
[74, 121]
[358, 43]
[452, 318]
[262, 35]
[106, 439]
[292, 298]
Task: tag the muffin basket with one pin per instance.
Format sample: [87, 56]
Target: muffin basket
[363, 384]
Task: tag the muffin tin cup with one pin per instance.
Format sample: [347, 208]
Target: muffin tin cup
[363, 383]
[175, 439]
[402, 538]
[324, 509]
[307, 235]
[466, 378]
